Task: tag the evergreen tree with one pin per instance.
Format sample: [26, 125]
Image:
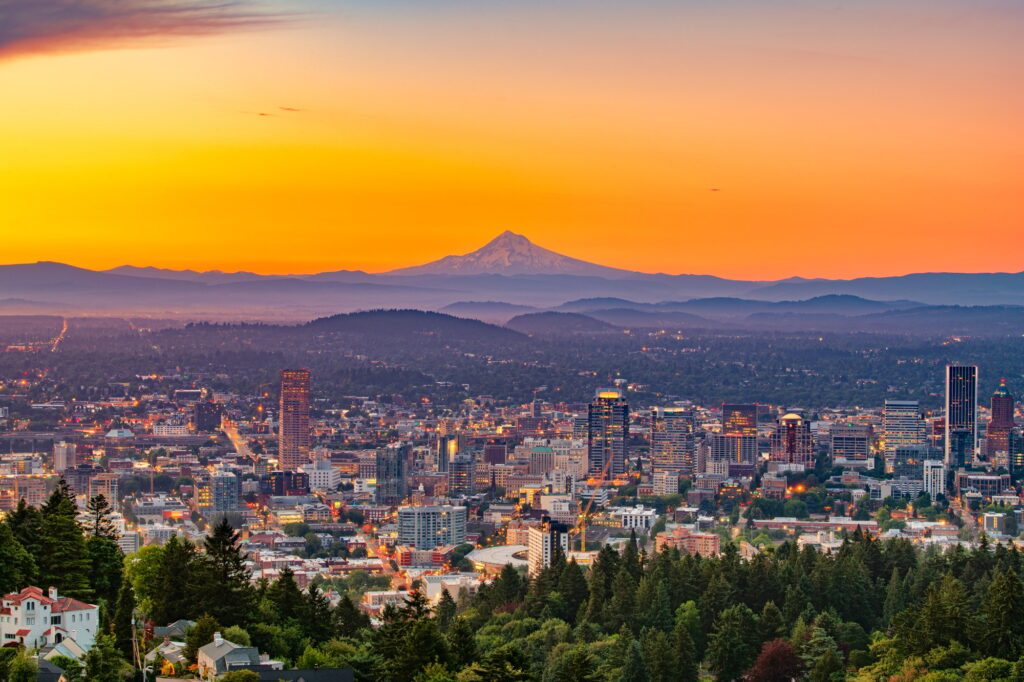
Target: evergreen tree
[568, 663]
[121, 627]
[686, 653]
[660, 656]
[22, 668]
[461, 643]
[176, 579]
[602, 575]
[286, 596]
[730, 650]
[1001, 622]
[317, 618]
[17, 567]
[621, 608]
[348, 620]
[64, 560]
[445, 610]
[107, 562]
[100, 511]
[572, 585]
[224, 586]
[895, 597]
[634, 669]
[631, 558]
[771, 623]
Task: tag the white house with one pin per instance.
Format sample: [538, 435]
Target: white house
[36, 620]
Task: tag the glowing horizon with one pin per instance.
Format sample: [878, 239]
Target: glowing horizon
[732, 139]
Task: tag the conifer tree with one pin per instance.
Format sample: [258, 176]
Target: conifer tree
[730, 650]
[286, 596]
[1000, 631]
[634, 669]
[121, 626]
[572, 585]
[17, 567]
[100, 511]
[461, 643]
[173, 598]
[64, 560]
[224, 587]
[25, 523]
[621, 608]
[318, 620]
[445, 610]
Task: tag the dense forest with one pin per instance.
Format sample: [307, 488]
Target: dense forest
[873, 610]
[446, 359]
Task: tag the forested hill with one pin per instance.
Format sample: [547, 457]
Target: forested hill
[872, 610]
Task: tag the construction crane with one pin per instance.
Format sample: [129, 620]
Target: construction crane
[581, 525]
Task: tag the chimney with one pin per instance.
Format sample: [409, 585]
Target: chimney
[217, 639]
[52, 592]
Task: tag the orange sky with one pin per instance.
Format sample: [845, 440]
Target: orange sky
[861, 139]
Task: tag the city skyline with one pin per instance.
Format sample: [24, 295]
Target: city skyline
[739, 139]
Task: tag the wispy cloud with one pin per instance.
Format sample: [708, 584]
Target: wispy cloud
[66, 25]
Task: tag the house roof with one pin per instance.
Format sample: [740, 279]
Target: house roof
[65, 604]
[61, 604]
[48, 672]
[217, 650]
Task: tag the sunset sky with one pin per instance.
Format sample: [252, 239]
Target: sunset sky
[741, 138]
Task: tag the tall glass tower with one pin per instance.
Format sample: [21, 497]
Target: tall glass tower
[961, 414]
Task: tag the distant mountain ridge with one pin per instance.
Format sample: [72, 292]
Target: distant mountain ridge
[512, 254]
[508, 276]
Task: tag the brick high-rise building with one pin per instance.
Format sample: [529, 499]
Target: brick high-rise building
[997, 439]
[293, 435]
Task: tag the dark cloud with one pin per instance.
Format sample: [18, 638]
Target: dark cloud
[64, 25]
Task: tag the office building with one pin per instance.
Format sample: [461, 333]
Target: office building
[431, 526]
[461, 475]
[997, 438]
[850, 446]
[285, 484]
[293, 433]
[902, 425]
[792, 444]
[64, 456]
[672, 447]
[961, 434]
[607, 432]
[105, 484]
[390, 474]
[220, 493]
[322, 475]
[541, 542]
[447, 447]
[934, 477]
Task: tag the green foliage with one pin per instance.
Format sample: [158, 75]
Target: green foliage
[199, 635]
[240, 676]
[104, 663]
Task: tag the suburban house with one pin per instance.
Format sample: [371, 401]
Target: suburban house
[220, 656]
[37, 620]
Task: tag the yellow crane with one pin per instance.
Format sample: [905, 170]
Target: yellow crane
[581, 525]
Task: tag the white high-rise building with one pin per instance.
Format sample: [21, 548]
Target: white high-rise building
[541, 543]
[934, 477]
[431, 526]
[64, 456]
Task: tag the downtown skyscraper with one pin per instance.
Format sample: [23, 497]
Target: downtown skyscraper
[293, 437]
[607, 432]
[961, 437]
[997, 438]
[672, 440]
